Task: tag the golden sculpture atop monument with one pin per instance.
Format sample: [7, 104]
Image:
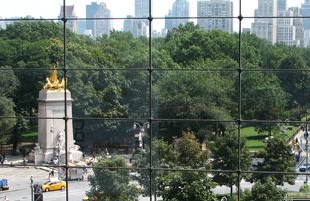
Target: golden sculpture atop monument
[52, 82]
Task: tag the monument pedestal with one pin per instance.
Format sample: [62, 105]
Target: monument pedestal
[54, 132]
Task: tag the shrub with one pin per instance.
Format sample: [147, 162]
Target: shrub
[304, 188]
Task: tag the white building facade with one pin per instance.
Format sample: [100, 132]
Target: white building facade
[99, 24]
[180, 9]
[266, 28]
[218, 15]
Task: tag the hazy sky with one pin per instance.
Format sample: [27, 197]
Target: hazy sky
[119, 8]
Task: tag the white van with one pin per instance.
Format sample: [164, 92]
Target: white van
[75, 174]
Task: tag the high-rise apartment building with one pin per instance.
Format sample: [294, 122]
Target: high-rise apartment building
[142, 8]
[90, 13]
[99, 23]
[215, 14]
[180, 8]
[305, 12]
[264, 27]
[282, 5]
[139, 27]
[286, 31]
[72, 22]
[298, 23]
[289, 25]
[129, 24]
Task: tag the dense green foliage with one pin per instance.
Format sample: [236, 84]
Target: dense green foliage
[180, 184]
[305, 188]
[109, 184]
[225, 155]
[278, 158]
[263, 191]
[195, 75]
[205, 85]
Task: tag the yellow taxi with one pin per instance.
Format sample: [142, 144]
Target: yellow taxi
[53, 186]
[86, 198]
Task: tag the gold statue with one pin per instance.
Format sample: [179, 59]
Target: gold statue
[52, 82]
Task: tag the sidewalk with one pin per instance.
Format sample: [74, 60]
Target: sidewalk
[301, 145]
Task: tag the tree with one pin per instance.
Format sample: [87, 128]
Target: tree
[183, 184]
[277, 158]
[192, 95]
[8, 85]
[180, 184]
[189, 43]
[163, 156]
[186, 185]
[225, 155]
[20, 127]
[111, 181]
[190, 152]
[8, 82]
[263, 99]
[299, 80]
[264, 191]
[6, 124]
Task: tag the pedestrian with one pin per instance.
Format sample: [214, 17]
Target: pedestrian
[5, 198]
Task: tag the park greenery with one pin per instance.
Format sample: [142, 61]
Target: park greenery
[196, 75]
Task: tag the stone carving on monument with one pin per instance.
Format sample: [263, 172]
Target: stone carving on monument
[54, 132]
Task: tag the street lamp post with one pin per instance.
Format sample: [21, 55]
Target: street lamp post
[141, 128]
[307, 151]
[31, 188]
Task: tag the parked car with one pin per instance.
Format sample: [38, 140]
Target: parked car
[304, 167]
[53, 185]
[4, 184]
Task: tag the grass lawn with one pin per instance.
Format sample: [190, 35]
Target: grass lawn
[29, 137]
[255, 141]
[298, 195]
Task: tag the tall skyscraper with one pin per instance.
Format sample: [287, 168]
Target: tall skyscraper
[139, 27]
[142, 8]
[282, 5]
[298, 23]
[215, 8]
[90, 13]
[72, 23]
[305, 12]
[286, 31]
[266, 28]
[100, 25]
[289, 25]
[180, 8]
[128, 24]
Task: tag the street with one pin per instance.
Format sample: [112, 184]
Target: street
[19, 183]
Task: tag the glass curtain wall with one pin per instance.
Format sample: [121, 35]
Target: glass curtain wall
[154, 100]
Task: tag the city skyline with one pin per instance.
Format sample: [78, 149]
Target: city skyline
[119, 9]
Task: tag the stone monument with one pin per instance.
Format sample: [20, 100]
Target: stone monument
[52, 135]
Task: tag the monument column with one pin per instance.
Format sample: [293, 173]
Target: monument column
[52, 136]
[51, 128]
